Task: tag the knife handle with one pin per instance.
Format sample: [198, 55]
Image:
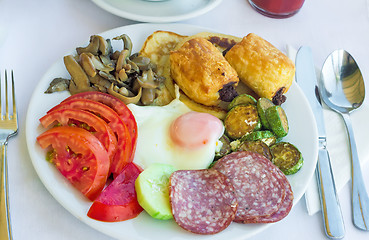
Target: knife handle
[331, 209]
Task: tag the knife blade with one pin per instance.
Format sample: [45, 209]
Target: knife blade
[331, 210]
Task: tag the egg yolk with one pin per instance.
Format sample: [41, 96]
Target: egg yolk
[194, 130]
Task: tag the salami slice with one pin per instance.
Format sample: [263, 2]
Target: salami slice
[282, 211]
[259, 187]
[202, 201]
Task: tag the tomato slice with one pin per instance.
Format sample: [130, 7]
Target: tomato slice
[118, 201]
[124, 146]
[80, 158]
[117, 105]
[86, 120]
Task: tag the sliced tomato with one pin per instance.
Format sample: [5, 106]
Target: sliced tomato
[118, 201]
[124, 146]
[117, 105]
[80, 158]
[86, 120]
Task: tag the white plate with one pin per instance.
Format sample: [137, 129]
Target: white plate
[303, 133]
[159, 12]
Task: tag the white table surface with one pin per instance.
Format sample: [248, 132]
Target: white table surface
[34, 34]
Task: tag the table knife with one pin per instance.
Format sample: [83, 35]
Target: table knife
[331, 210]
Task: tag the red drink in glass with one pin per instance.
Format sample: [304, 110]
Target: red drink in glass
[277, 8]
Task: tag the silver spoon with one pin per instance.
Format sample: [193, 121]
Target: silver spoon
[342, 89]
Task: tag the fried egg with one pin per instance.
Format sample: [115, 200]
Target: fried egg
[176, 135]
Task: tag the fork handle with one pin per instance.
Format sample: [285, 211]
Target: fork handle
[5, 227]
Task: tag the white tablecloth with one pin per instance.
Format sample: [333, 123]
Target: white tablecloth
[34, 34]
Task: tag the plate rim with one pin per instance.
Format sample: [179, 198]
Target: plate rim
[142, 18]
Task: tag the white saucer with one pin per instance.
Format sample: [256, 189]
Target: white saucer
[151, 11]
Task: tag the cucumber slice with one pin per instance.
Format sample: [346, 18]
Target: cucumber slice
[262, 105]
[287, 157]
[243, 99]
[265, 136]
[152, 188]
[240, 120]
[257, 146]
[277, 120]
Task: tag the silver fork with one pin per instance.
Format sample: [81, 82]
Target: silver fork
[8, 128]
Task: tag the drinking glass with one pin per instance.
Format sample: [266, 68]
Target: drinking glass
[277, 8]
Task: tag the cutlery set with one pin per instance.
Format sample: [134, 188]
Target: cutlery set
[341, 88]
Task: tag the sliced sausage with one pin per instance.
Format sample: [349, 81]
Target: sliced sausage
[284, 209]
[259, 188]
[202, 201]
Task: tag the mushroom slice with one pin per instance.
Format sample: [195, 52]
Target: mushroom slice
[125, 99]
[135, 85]
[122, 60]
[148, 96]
[143, 63]
[58, 85]
[100, 81]
[115, 55]
[107, 76]
[92, 47]
[127, 43]
[79, 77]
[147, 80]
[104, 46]
[87, 64]
[134, 67]
[106, 60]
[122, 75]
[74, 89]
[99, 65]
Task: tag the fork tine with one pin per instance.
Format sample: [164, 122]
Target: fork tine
[6, 96]
[13, 93]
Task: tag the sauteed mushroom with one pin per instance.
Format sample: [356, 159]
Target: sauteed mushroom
[148, 96]
[134, 67]
[79, 81]
[58, 85]
[92, 47]
[100, 83]
[91, 63]
[127, 43]
[125, 99]
[107, 61]
[104, 45]
[143, 63]
[147, 80]
[122, 60]
[87, 64]
[130, 77]
[122, 75]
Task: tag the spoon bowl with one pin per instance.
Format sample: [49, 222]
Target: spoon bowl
[342, 89]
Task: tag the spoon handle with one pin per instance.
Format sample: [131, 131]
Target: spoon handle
[360, 199]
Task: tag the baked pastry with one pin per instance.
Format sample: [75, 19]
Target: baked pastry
[262, 67]
[158, 46]
[221, 41]
[201, 71]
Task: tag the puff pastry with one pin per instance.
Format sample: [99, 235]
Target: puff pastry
[201, 71]
[262, 67]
